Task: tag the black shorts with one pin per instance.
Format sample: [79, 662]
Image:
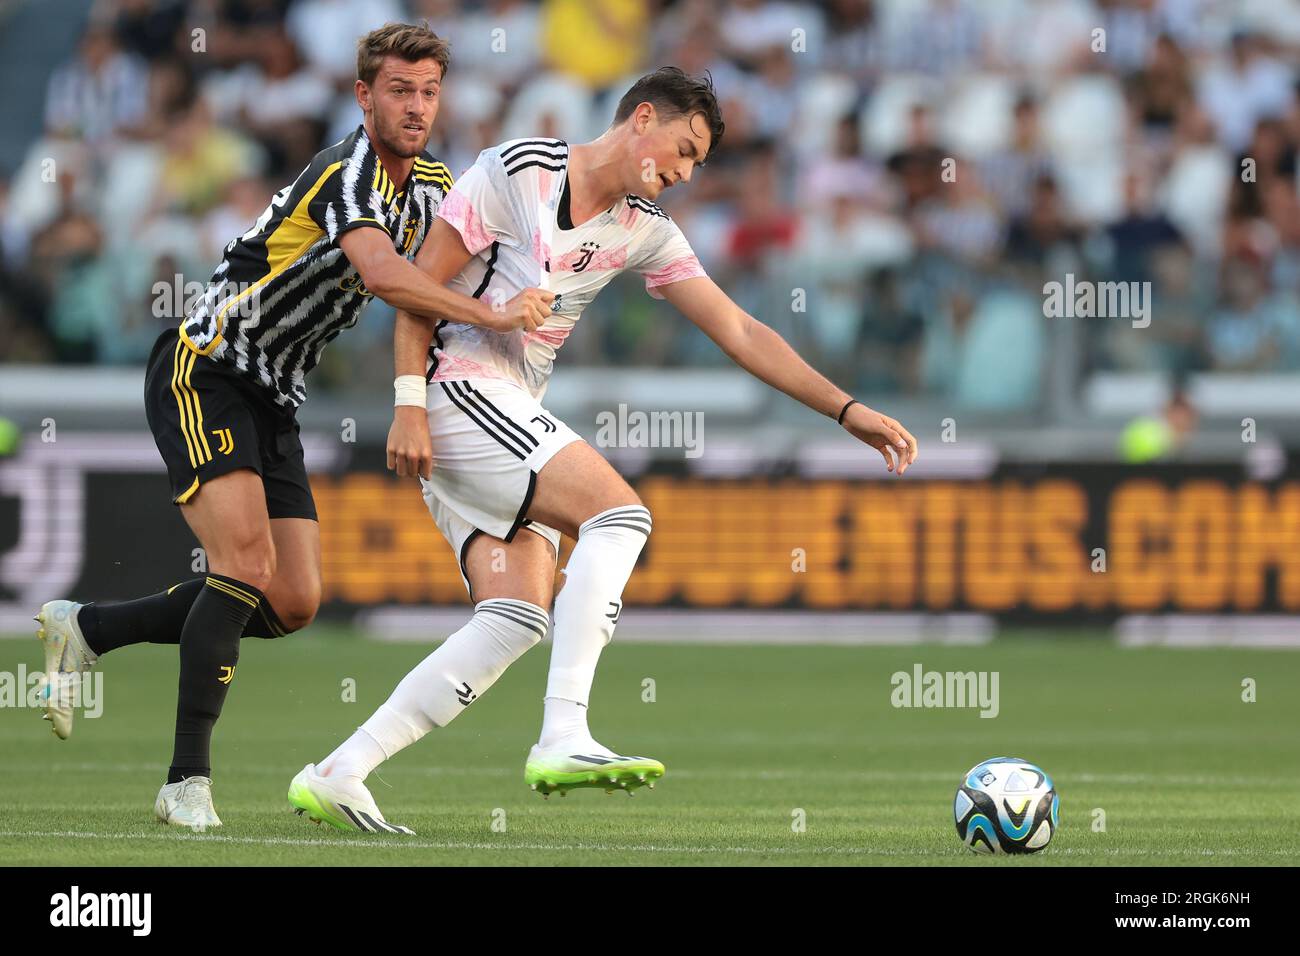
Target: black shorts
[208, 421]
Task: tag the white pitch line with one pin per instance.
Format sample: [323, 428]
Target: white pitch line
[427, 845]
[608, 847]
[865, 776]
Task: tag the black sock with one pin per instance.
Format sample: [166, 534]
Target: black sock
[209, 653]
[158, 619]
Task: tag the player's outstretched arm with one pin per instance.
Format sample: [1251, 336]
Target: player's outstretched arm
[768, 357]
[417, 288]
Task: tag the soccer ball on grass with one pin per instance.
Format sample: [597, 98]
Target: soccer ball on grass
[1006, 805]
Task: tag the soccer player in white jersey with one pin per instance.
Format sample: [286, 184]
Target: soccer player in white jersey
[510, 477]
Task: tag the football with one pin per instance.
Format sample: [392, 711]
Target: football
[1006, 805]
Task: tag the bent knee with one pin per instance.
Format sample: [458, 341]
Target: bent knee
[254, 565]
[298, 610]
[296, 618]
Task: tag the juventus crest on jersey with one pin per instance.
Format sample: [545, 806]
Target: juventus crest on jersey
[284, 289]
[502, 207]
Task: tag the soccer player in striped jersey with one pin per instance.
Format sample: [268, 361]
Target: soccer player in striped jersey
[510, 476]
[221, 392]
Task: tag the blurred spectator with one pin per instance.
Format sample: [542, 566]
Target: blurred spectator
[985, 351]
[326, 31]
[200, 159]
[596, 42]
[149, 28]
[765, 224]
[1046, 234]
[774, 86]
[1262, 206]
[1010, 173]
[1282, 213]
[1182, 300]
[1198, 182]
[1137, 235]
[844, 170]
[1131, 28]
[836, 252]
[888, 349]
[855, 46]
[278, 100]
[919, 163]
[242, 202]
[1175, 341]
[1249, 86]
[78, 282]
[100, 92]
[1252, 328]
[960, 221]
[937, 37]
[1040, 39]
[148, 309]
[749, 29]
[1162, 87]
[494, 43]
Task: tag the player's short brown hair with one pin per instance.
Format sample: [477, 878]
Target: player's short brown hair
[403, 40]
[674, 92]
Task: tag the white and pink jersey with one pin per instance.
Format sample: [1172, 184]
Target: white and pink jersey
[497, 208]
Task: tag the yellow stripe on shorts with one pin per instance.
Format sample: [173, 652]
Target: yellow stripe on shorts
[198, 409]
[180, 404]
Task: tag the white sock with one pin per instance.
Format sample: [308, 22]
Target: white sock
[355, 757]
[443, 684]
[586, 611]
[564, 726]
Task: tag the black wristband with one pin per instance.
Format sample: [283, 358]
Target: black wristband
[851, 402]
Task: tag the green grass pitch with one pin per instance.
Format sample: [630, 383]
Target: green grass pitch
[1158, 739]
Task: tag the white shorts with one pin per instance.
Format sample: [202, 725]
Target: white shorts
[490, 439]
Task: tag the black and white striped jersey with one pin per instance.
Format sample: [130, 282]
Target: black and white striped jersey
[284, 289]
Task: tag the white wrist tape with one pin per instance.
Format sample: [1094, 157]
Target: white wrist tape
[409, 390]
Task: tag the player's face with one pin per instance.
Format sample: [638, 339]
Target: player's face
[403, 102]
[666, 151]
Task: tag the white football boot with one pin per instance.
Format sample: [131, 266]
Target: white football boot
[67, 657]
[187, 804]
[342, 802]
[567, 768]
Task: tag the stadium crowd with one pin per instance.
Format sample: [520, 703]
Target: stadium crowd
[898, 180]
